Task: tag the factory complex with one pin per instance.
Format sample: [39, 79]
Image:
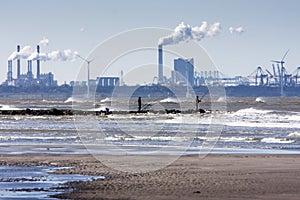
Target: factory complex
[183, 75]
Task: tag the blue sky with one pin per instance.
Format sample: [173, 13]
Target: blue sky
[271, 27]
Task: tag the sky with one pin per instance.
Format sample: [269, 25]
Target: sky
[271, 27]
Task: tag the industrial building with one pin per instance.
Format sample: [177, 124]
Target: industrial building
[108, 81]
[184, 71]
[28, 79]
[99, 81]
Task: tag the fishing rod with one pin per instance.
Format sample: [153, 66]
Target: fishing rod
[199, 100]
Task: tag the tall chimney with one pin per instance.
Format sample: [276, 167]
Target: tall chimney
[18, 64]
[9, 72]
[38, 63]
[160, 64]
[29, 72]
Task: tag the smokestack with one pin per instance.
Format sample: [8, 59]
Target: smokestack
[18, 63]
[38, 63]
[122, 78]
[9, 72]
[29, 72]
[160, 65]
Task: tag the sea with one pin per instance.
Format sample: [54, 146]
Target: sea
[230, 125]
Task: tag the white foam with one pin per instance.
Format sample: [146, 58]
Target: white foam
[106, 100]
[236, 139]
[221, 99]
[277, 140]
[263, 124]
[8, 107]
[251, 117]
[169, 100]
[178, 138]
[260, 100]
[255, 119]
[294, 118]
[154, 138]
[251, 110]
[71, 100]
[294, 134]
[37, 137]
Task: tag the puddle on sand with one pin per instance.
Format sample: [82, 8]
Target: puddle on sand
[36, 182]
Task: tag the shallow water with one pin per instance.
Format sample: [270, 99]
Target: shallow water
[247, 123]
[35, 182]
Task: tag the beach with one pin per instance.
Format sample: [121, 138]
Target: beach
[253, 153]
[240, 176]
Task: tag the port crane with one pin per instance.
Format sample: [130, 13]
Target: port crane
[297, 75]
[261, 78]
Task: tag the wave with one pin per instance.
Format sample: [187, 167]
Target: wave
[294, 118]
[179, 139]
[8, 107]
[169, 100]
[260, 100]
[191, 139]
[106, 100]
[150, 138]
[251, 110]
[294, 135]
[49, 101]
[236, 139]
[72, 99]
[221, 99]
[277, 140]
[243, 118]
[23, 137]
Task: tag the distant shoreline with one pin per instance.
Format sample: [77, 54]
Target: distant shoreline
[158, 91]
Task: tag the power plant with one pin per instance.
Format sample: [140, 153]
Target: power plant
[184, 73]
[28, 79]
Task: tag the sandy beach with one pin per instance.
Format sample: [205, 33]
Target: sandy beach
[190, 177]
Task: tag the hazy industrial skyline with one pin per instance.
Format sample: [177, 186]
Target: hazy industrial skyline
[271, 27]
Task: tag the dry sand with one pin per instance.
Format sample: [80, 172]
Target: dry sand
[214, 177]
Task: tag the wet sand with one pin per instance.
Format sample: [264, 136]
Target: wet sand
[190, 177]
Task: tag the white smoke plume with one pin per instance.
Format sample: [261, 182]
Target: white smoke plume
[65, 55]
[185, 32]
[238, 30]
[27, 52]
[44, 42]
[40, 56]
[13, 56]
[24, 53]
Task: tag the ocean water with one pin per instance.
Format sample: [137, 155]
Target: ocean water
[255, 124]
